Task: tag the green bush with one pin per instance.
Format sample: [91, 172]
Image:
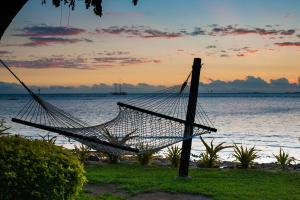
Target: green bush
[284, 159]
[38, 170]
[174, 155]
[210, 158]
[115, 158]
[146, 156]
[245, 156]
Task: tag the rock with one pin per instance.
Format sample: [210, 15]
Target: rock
[160, 162]
[297, 167]
[228, 165]
[93, 158]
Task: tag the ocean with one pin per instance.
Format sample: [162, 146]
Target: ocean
[268, 121]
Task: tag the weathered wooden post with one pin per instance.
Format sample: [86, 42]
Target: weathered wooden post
[190, 118]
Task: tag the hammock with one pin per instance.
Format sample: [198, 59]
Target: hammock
[149, 122]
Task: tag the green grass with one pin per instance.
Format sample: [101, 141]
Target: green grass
[220, 184]
[99, 197]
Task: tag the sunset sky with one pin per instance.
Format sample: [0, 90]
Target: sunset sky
[154, 42]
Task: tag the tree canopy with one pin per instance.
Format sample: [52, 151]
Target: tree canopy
[96, 4]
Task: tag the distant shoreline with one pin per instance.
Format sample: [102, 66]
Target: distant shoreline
[231, 94]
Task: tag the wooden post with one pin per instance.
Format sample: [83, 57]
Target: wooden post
[190, 118]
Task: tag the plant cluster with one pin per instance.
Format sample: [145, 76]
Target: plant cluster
[210, 158]
[82, 152]
[245, 156]
[174, 155]
[115, 158]
[284, 159]
[145, 157]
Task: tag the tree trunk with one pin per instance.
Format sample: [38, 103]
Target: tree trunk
[8, 11]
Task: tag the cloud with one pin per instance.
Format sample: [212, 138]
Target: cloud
[3, 52]
[287, 32]
[45, 35]
[52, 62]
[120, 58]
[147, 32]
[280, 82]
[103, 59]
[224, 55]
[12, 88]
[241, 52]
[288, 44]
[114, 53]
[252, 51]
[123, 61]
[245, 51]
[250, 84]
[139, 32]
[234, 30]
[195, 32]
[44, 41]
[211, 47]
[45, 31]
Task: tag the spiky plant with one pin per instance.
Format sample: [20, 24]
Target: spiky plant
[284, 159]
[114, 158]
[3, 128]
[245, 156]
[48, 138]
[145, 157]
[174, 155]
[82, 152]
[210, 157]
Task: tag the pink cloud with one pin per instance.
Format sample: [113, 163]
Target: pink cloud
[288, 44]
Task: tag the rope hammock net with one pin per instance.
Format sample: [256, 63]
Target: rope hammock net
[144, 123]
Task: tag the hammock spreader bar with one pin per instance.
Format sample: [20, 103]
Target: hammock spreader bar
[72, 135]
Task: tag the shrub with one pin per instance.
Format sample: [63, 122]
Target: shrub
[174, 155]
[82, 152]
[245, 156]
[115, 158]
[210, 158]
[145, 157]
[284, 159]
[38, 170]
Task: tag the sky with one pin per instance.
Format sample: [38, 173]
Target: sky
[154, 42]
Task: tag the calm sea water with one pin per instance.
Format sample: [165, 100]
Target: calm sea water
[268, 121]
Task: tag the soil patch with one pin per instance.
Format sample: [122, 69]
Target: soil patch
[95, 190]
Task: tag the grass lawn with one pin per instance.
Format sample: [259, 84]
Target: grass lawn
[219, 184]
